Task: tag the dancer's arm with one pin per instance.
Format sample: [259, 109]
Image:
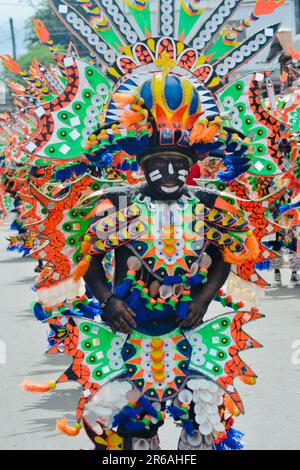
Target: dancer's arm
[203, 295]
[116, 313]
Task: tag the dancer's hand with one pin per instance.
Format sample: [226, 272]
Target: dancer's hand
[196, 313]
[119, 316]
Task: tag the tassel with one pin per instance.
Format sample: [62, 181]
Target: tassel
[235, 166]
[148, 408]
[134, 301]
[30, 386]
[198, 131]
[230, 405]
[41, 30]
[62, 426]
[82, 268]
[184, 304]
[253, 246]
[86, 245]
[232, 173]
[183, 310]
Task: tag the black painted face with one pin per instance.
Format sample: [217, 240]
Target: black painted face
[166, 175]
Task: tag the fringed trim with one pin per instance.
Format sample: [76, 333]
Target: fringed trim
[134, 118]
[197, 131]
[82, 268]
[62, 426]
[30, 386]
[213, 129]
[136, 115]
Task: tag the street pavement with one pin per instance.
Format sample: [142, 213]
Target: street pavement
[27, 421]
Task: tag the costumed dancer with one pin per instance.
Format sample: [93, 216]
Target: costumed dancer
[153, 255]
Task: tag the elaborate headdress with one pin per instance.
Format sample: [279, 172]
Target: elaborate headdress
[167, 114]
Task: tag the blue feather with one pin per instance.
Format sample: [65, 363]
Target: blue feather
[232, 172]
[148, 408]
[188, 426]
[232, 442]
[288, 207]
[175, 412]
[39, 312]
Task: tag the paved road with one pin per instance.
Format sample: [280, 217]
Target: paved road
[272, 419]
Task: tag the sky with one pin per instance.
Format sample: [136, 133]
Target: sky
[19, 10]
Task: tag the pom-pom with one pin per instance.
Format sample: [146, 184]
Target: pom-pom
[122, 290]
[82, 268]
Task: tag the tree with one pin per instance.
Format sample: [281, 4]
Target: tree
[38, 52]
